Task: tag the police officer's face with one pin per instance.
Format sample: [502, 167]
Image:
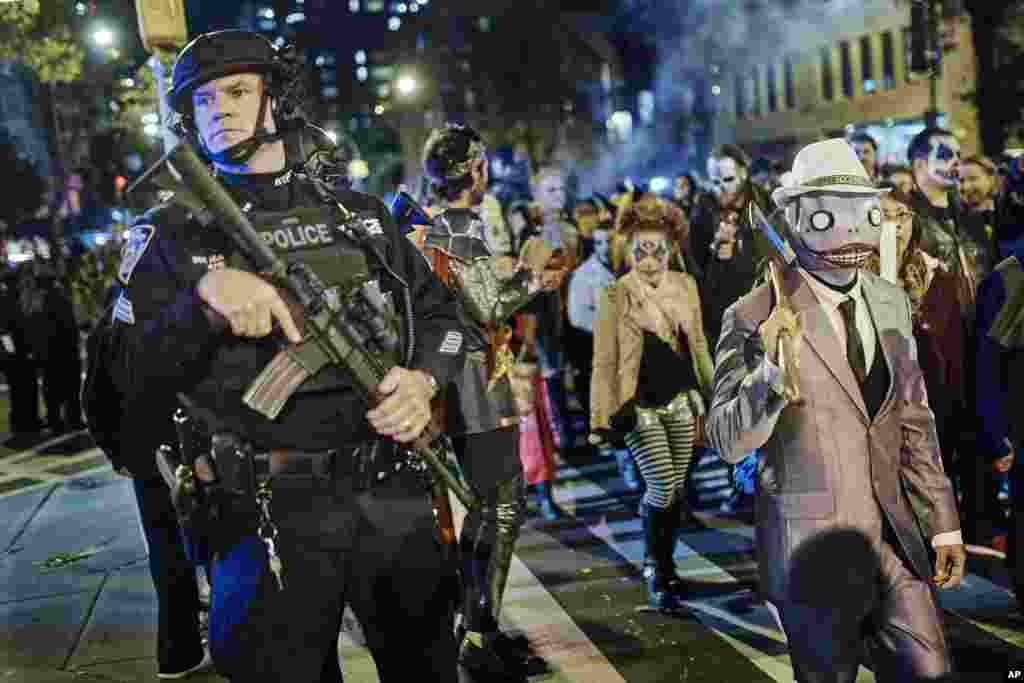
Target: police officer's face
[225, 110]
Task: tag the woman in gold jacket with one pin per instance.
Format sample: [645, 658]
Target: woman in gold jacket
[651, 370]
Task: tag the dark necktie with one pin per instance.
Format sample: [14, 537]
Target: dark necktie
[854, 344]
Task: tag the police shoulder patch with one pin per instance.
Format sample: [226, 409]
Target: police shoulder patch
[134, 247]
[373, 226]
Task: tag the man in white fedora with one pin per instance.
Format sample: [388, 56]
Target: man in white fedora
[850, 474]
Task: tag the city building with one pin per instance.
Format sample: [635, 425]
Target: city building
[384, 72]
[847, 68]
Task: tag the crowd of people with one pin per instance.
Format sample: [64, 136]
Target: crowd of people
[533, 323]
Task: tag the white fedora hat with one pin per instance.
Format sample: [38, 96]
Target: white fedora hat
[826, 166]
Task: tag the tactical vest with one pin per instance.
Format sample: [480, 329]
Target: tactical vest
[315, 237]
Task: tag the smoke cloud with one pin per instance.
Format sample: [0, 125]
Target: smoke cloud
[698, 44]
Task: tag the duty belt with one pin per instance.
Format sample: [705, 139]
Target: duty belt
[362, 465]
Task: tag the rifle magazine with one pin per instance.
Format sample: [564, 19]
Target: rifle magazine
[276, 383]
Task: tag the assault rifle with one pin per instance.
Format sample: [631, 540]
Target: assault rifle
[347, 331]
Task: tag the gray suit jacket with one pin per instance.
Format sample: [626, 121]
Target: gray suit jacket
[825, 463]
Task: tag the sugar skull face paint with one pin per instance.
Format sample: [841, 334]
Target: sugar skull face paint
[649, 252]
[835, 232]
[944, 160]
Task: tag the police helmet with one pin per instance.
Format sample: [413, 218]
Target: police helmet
[218, 54]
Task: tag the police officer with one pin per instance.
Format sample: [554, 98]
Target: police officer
[354, 521]
[480, 409]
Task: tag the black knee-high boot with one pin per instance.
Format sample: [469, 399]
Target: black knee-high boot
[511, 513]
[502, 517]
[659, 536]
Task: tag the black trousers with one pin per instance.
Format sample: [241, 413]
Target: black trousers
[579, 345]
[377, 551]
[490, 461]
[62, 385]
[178, 643]
[24, 388]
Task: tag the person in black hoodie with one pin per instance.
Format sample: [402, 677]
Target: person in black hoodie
[59, 355]
[19, 366]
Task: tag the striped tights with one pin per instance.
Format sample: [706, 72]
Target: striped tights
[662, 445]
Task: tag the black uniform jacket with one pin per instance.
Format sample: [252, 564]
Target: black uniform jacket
[166, 343]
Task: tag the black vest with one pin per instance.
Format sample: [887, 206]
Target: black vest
[312, 236]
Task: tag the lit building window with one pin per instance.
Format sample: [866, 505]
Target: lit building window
[401, 7]
[325, 60]
[265, 12]
[867, 65]
[362, 74]
[353, 6]
[787, 81]
[375, 6]
[360, 56]
[740, 86]
[329, 91]
[80, 9]
[846, 68]
[888, 61]
[414, 7]
[827, 85]
[295, 18]
[755, 102]
[485, 24]
[394, 23]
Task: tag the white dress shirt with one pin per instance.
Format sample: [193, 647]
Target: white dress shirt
[830, 300]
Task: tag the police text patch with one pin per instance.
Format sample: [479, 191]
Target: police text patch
[134, 247]
[452, 343]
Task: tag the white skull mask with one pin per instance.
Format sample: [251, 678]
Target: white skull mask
[944, 160]
[835, 232]
[726, 177]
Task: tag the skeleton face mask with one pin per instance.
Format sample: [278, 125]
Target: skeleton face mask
[944, 161]
[726, 176]
[835, 233]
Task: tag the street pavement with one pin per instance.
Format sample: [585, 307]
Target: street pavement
[76, 601]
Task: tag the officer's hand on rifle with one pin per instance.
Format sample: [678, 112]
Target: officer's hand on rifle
[404, 410]
[250, 304]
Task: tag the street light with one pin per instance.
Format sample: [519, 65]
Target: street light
[103, 37]
[406, 85]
